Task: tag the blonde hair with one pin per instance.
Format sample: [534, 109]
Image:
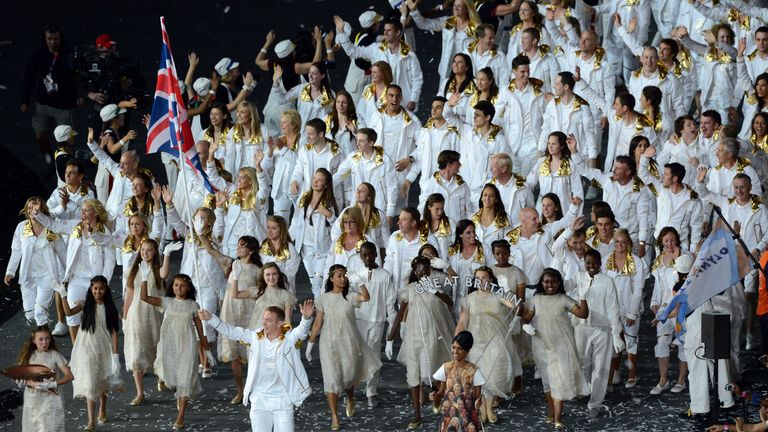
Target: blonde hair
[101, 213]
[253, 176]
[209, 213]
[355, 214]
[385, 70]
[294, 118]
[155, 265]
[474, 18]
[255, 125]
[43, 206]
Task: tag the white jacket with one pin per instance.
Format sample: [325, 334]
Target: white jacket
[629, 282]
[72, 209]
[458, 203]
[379, 171]
[121, 185]
[431, 141]
[602, 298]
[288, 357]
[453, 40]
[22, 248]
[575, 119]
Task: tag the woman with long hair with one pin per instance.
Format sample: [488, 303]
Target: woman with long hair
[341, 126]
[553, 221]
[437, 224]
[665, 276]
[427, 307]
[457, 30]
[465, 255]
[757, 94]
[491, 221]
[44, 409]
[374, 94]
[486, 89]
[310, 227]
[488, 317]
[661, 122]
[554, 343]
[458, 88]
[345, 249]
[236, 310]
[314, 99]
[139, 228]
[218, 131]
[280, 159]
[242, 205]
[279, 249]
[758, 137]
[345, 358]
[681, 147]
[554, 172]
[530, 17]
[90, 252]
[141, 324]
[141, 201]
[629, 273]
[375, 226]
[95, 359]
[38, 254]
[245, 139]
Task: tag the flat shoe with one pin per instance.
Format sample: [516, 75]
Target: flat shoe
[238, 399]
[631, 383]
[335, 426]
[559, 425]
[678, 388]
[88, 428]
[435, 408]
[350, 407]
[138, 400]
[414, 425]
[178, 426]
[657, 390]
[103, 420]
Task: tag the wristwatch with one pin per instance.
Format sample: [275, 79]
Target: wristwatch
[410, 158]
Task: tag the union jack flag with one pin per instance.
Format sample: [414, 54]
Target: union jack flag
[169, 128]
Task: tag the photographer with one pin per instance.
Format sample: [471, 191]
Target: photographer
[109, 78]
[49, 88]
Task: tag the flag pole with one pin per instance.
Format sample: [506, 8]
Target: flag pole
[741, 242]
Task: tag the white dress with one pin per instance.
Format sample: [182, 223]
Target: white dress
[428, 335]
[494, 350]
[345, 358]
[92, 359]
[238, 313]
[554, 347]
[142, 330]
[177, 357]
[44, 411]
[271, 297]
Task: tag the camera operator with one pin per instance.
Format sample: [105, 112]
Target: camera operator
[110, 78]
[50, 88]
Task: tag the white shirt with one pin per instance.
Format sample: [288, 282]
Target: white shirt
[267, 382]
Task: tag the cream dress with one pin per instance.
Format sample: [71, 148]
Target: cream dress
[272, 297]
[142, 330]
[92, 359]
[238, 313]
[554, 347]
[428, 335]
[44, 411]
[177, 356]
[345, 358]
[494, 350]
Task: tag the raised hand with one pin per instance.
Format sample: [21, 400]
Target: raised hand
[742, 47]
[277, 73]
[270, 39]
[193, 59]
[130, 136]
[572, 144]
[307, 308]
[167, 196]
[632, 25]
[650, 152]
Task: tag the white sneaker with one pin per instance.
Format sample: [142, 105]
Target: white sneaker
[750, 342]
[678, 388]
[61, 329]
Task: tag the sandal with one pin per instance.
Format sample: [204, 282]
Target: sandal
[414, 425]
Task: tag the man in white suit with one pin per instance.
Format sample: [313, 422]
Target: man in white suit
[277, 381]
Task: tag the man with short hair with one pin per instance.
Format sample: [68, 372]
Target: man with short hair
[531, 248]
[397, 130]
[710, 127]
[653, 74]
[478, 144]
[602, 241]
[276, 383]
[406, 71]
[514, 193]
[677, 205]
[757, 60]
[49, 88]
[436, 135]
[122, 175]
[66, 201]
[729, 165]
[570, 114]
[403, 246]
[319, 152]
[526, 95]
[369, 164]
[484, 54]
[450, 185]
[543, 64]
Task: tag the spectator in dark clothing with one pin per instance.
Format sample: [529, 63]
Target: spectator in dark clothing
[50, 89]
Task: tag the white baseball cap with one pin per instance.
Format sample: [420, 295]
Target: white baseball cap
[369, 18]
[202, 86]
[225, 65]
[110, 111]
[683, 264]
[63, 133]
[284, 48]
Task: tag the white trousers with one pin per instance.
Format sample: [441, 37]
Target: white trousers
[208, 300]
[77, 288]
[700, 373]
[101, 182]
[36, 295]
[595, 349]
[314, 261]
[271, 414]
[372, 333]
